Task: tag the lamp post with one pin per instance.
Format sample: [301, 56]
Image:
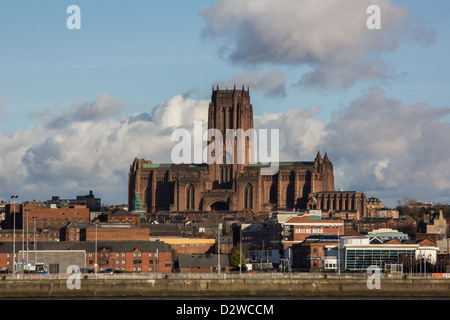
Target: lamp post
[34, 239]
[218, 249]
[23, 243]
[27, 210]
[339, 253]
[240, 250]
[95, 265]
[14, 197]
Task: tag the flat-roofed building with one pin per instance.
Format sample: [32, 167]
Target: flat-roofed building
[358, 254]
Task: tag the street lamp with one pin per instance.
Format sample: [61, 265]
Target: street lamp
[339, 252]
[240, 250]
[27, 210]
[95, 265]
[23, 243]
[14, 197]
[218, 250]
[34, 232]
[34, 239]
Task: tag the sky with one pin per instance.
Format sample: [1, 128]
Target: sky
[78, 105]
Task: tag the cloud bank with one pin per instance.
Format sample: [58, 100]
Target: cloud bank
[90, 146]
[377, 145]
[328, 37]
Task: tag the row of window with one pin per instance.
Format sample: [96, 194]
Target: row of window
[123, 255]
[192, 245]
[118, 262]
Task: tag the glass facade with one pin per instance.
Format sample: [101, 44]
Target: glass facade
[360, 259]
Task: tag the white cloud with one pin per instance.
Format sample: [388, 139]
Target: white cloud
[385, 147]
[271, 83]
[103, 107]
[329, 36]
[93, 150]
[300, 133]
[377, 145]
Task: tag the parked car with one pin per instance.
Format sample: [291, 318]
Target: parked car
[109, 271]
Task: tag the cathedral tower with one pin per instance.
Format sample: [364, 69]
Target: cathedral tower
[231, 113]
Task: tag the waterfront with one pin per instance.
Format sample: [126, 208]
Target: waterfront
[104, 287]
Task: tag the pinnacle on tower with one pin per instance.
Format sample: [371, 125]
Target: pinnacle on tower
[318, 156]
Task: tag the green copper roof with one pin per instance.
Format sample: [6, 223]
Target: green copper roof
[170, 165]
[137, 205]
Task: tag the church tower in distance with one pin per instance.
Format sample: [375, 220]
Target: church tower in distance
[231, 113]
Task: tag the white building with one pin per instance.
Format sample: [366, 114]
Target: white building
[357, 254]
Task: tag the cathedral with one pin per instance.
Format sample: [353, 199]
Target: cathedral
[239, 186]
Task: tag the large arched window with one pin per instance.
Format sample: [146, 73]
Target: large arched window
[190, 197]
[290, 195]
[273, 193]
[248, 196]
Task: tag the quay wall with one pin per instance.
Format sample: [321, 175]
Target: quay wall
[226, 288]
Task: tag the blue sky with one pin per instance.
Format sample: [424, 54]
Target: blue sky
[144, 53]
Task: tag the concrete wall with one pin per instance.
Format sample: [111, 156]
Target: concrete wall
[402, 288]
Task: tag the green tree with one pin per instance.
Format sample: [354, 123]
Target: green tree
[235, 261]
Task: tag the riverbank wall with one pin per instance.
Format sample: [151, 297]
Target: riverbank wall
[224, 288]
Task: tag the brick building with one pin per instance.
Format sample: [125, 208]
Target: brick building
[373, 204]
[89, 231]
[39, 215]
[190, 245]
[341, 200]
[131, 256]
[89, 200]
[118, 215]
[310, 254]
[30, 236]
[384, 213]
[236, 186]
[297, 228]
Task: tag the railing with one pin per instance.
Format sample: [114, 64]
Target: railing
[224, 276]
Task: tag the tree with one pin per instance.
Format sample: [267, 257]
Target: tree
[235, 261]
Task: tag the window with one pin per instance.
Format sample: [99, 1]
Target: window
[248, 201]
[190, 197]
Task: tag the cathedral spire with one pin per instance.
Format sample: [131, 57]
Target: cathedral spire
[318, 156]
